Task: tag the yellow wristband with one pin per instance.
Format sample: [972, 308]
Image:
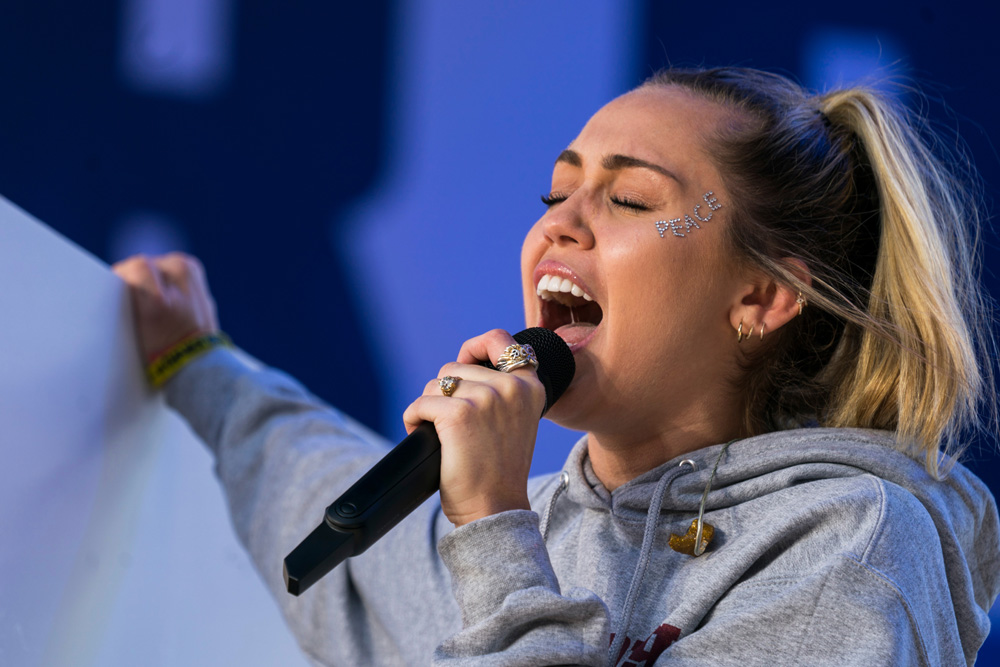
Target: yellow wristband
[180, 355]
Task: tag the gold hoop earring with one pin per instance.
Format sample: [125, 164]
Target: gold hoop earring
[762, 324]
[739, 332]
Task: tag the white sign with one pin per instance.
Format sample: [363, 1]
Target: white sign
[115, 548]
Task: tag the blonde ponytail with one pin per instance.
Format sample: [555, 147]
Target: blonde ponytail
[917, 370]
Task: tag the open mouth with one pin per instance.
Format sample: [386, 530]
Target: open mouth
[567, 309]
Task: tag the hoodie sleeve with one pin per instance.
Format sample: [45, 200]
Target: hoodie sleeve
[513, 612]
[282, 456]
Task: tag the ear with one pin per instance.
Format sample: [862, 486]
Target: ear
[765, 305]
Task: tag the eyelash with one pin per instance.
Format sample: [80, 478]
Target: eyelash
[629, 204]
[621, 202]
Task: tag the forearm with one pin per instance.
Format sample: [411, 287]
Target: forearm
[271, 439]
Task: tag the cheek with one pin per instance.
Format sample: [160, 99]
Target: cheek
[531, 251]
[650, 263]
[665, 281]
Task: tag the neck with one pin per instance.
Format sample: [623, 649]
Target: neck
[618, 458]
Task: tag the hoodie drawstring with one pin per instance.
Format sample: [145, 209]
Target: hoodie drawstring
[649, 532]
[563, 484]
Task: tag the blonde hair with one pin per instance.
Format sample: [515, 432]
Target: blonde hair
[895, 330]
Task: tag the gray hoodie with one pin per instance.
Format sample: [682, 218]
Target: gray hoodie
[830, 548]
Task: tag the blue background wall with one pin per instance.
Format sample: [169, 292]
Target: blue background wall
[357, 177]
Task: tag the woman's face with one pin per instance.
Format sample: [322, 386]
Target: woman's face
[647, 313]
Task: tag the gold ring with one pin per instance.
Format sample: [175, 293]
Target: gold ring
[448, 384]
[515, 356]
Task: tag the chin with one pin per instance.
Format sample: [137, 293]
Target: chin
[573, 409]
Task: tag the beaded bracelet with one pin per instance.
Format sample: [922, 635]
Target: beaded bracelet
[166, 365]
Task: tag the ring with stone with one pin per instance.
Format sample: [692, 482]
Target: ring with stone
[448, 384]
[516, 356]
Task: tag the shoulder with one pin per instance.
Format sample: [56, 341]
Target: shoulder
[885, 536]
[849, 488]
[846, 552]
[901, 525]
[865, 514]
[829, 516]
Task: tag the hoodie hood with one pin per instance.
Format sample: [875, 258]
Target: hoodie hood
[961, 507]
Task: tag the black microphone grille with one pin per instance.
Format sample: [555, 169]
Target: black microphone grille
[556, 364]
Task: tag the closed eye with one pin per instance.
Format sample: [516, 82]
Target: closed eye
[627, 203]
[630, 204]
[553, 198]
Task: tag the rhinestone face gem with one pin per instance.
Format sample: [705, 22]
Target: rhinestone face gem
[682, 226]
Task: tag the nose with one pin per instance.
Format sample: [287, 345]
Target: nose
[565, 225]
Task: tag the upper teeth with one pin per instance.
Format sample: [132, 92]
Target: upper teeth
[549, 286]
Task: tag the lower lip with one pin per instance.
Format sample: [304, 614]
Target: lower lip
[577, 336]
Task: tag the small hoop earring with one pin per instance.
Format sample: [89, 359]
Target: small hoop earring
[739, 332]
[762, 324]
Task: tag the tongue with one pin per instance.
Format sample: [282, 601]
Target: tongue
[574, 334]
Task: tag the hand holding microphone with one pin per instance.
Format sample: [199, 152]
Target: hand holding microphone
[486, 443]
[487, 428]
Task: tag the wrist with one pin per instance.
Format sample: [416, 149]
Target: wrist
[162, 349]
[170, 361]
[487, 509]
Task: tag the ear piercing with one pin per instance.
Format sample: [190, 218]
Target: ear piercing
[740, 335]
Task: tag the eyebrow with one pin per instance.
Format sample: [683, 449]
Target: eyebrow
[570, 157]
[616, 163]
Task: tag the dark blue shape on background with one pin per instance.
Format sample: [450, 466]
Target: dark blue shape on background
[254, 173]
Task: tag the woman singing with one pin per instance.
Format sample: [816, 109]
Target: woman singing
[772, 304]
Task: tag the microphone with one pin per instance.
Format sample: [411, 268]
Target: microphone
[405, 477]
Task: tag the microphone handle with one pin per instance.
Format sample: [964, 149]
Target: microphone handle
[393, 488]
